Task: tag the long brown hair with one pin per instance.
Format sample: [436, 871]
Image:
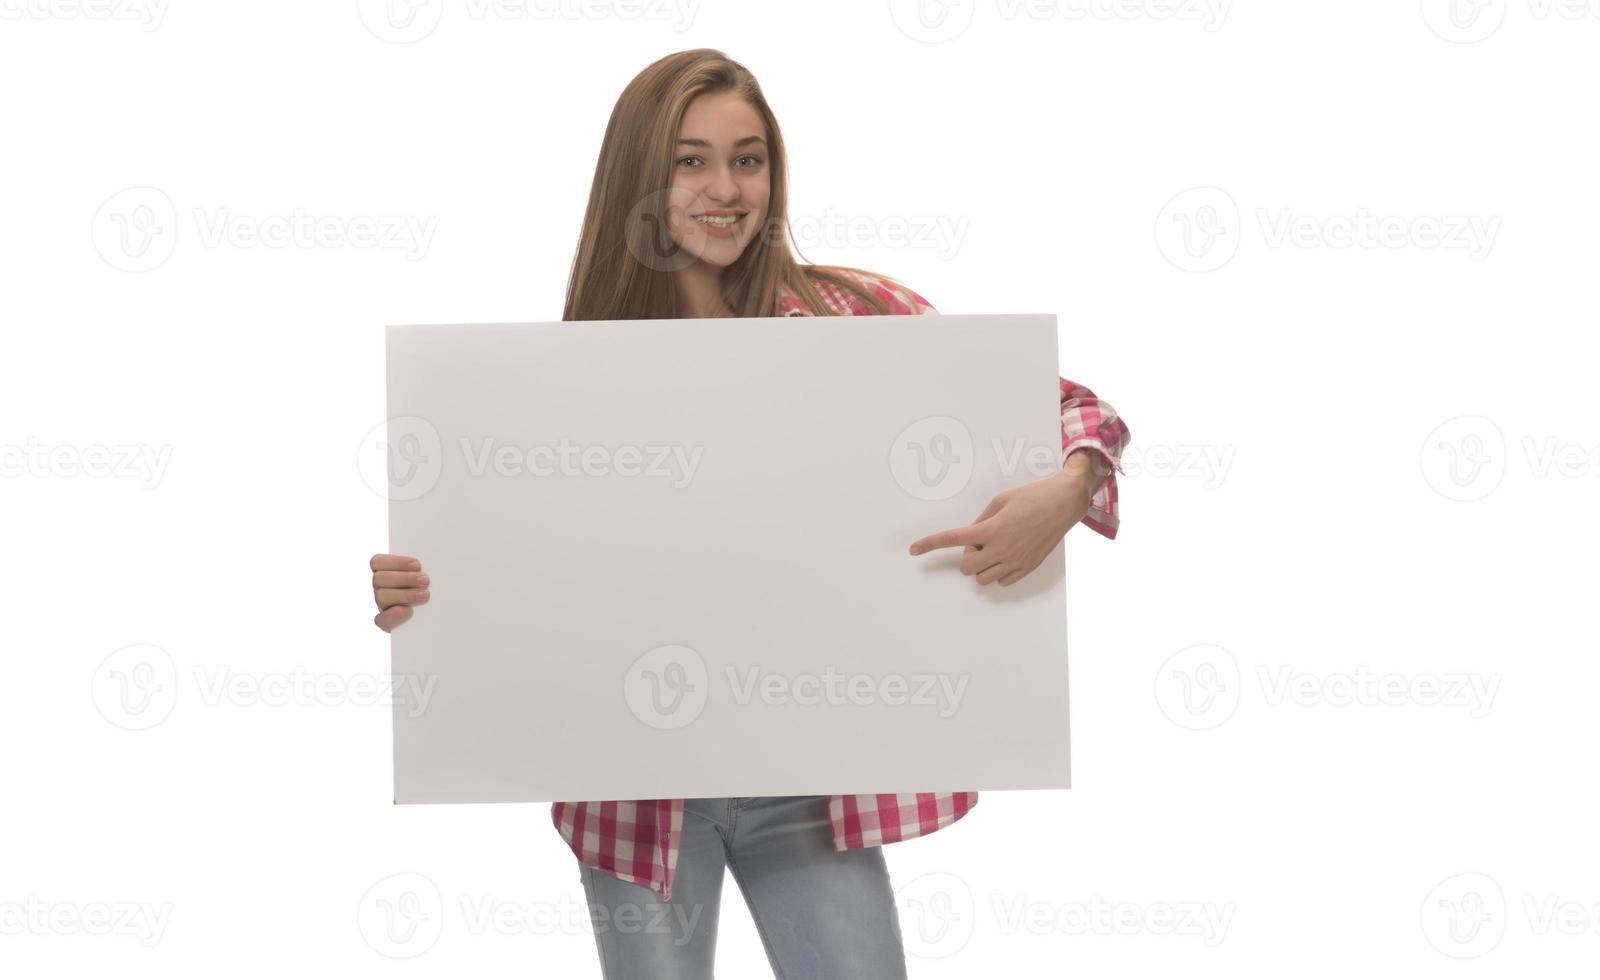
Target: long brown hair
[622, 269]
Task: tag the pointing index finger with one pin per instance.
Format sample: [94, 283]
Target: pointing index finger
[953, 538]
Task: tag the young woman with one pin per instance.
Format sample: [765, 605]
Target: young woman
[687, 217]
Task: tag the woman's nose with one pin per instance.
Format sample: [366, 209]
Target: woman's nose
[722, 187]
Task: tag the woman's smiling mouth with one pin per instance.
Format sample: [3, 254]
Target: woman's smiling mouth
[720, 224]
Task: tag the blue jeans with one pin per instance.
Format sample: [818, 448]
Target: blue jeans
[822, 914]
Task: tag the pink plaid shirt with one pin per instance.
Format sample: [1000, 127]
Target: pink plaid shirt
[637, 840]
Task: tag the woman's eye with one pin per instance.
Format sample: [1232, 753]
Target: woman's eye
[755, 161]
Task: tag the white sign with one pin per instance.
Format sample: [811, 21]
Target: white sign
[669, 558]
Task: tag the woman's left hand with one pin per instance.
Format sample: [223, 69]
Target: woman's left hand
[1021, 526]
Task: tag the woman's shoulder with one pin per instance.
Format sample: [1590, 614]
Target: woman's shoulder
[897, 297]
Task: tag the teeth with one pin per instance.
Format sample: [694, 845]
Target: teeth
[707, 219]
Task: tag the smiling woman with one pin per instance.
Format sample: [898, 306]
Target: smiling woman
[688, 211]
[687, 217]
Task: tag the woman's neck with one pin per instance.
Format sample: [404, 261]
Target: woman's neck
[699, 288]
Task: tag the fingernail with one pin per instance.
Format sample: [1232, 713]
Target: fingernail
[422, 581]
[916, 550]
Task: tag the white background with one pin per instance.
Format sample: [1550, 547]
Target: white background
[1291, 515]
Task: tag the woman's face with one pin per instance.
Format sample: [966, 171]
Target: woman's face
[720, 182]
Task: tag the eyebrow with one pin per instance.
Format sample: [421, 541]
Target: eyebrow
[737, 143]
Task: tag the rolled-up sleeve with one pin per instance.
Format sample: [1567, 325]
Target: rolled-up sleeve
[1089, 422]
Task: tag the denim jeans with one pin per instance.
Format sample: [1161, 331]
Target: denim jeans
[822, 914]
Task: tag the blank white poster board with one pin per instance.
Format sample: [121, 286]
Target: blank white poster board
[669, 558]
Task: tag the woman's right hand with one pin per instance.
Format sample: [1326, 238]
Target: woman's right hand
[398, 583]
